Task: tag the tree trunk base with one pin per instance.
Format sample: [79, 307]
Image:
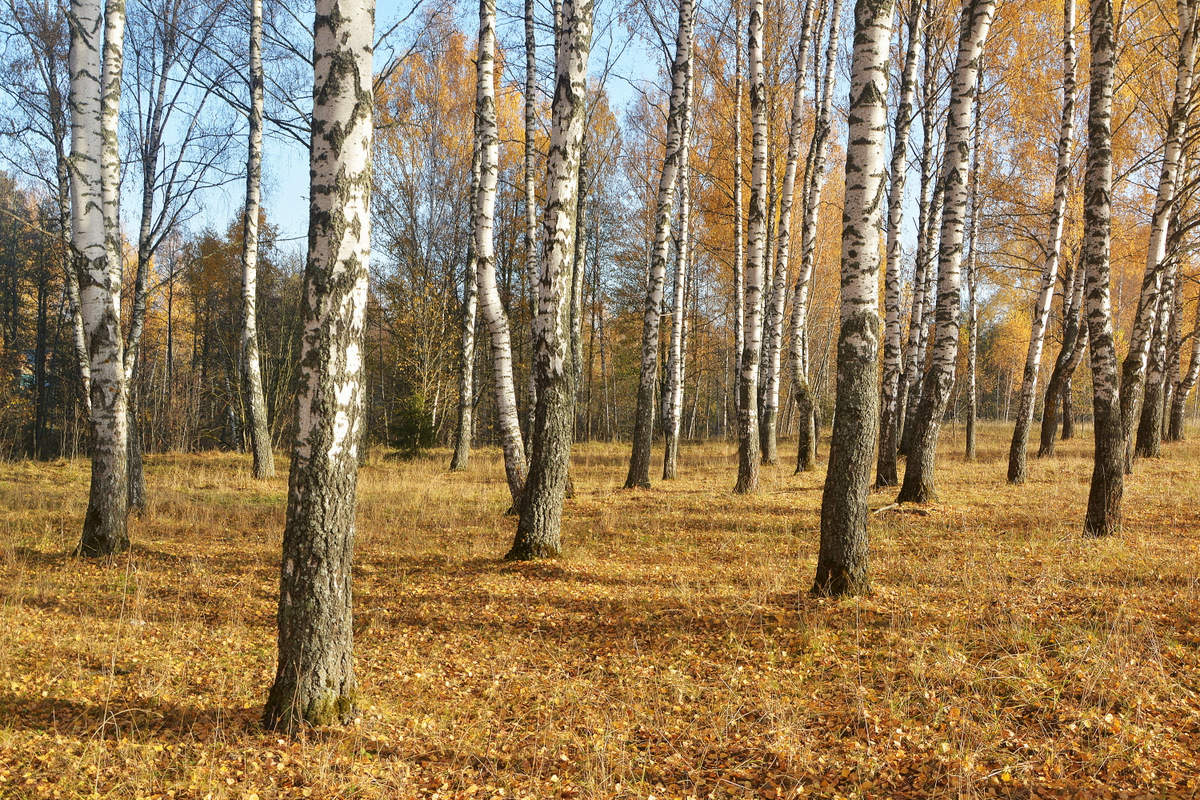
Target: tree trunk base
[840, 583]
[288, 711]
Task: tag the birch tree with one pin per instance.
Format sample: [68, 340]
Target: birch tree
[466, 367]
[528, 184]
[973, 236]
[935, 394]
[1074, 345]
[539, 527]
[643, 425]
[490, 307]
[774, 318]
[748, 452]
[1133, 368]
[1108, 473]
[95, 91]
[1184, 386]
[893, 365]
[842, 562]
[1017, 467]
[252, 387]
[673, 393]
[315, 682]
[1149, 429]
[739, 233]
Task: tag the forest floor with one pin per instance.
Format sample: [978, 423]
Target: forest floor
[673, 651]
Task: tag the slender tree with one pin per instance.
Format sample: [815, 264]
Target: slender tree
[1017, 467]
[95, 91]
[1108, 473]
[748, 446]
[842, 563]
[539, 527]
[1133, 368]
[1181, 390]
[973, 235]
[528, 184]
[252, 386]
[314, 680]
[1074, 344]
[783, 242]
[673, 394]
[490, 307]
[739, 233]
[936, 387]
[466, 367]
[893, 362]
[1149, 431]
[643, 423]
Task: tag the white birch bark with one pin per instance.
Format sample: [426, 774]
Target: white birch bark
[673, 393]
[1179, 395]
[1108, 474]
[643, 426]
[1133, 369]
[739, 232]
[935, 391]
[893, 363]
[1017, 454]
[95, 238]
[490, 307]
[527, 181]
[256, 406]
[466, 366]
[783, 252]
[842, 562]
[539, 527]
[1149, 429]
[1069, 356]
[814, 180]
[314, 679]
[748, 455]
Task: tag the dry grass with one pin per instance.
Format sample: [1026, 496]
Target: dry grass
[672, 652]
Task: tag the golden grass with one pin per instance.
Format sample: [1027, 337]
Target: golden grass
[672, 652]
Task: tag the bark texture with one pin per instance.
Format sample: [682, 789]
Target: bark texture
[315, 682]
[1108, 471]
[466, 368]
[95, 239]
[673, 395]
[842, 563]
[1073, 346]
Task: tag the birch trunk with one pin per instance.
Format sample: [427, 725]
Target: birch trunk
[531, 236]
[1183, 388]
[814, 179]
[314, 680]
[673, 393]
[643, 425]
[739, 233]
[539, 528]
[466, 367]
[842, 563]
[885, 466]
[1149, 432]
[768, 435]
[490, 307]
[1108, 473]
[94, 174]
[1018, 470]
[256, 406]
[1133, 369]
[748, 455]
[71, 282]
[1074, 343]
[918, 486]
[972, 281]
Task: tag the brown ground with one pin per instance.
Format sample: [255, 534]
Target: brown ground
[672, 652]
